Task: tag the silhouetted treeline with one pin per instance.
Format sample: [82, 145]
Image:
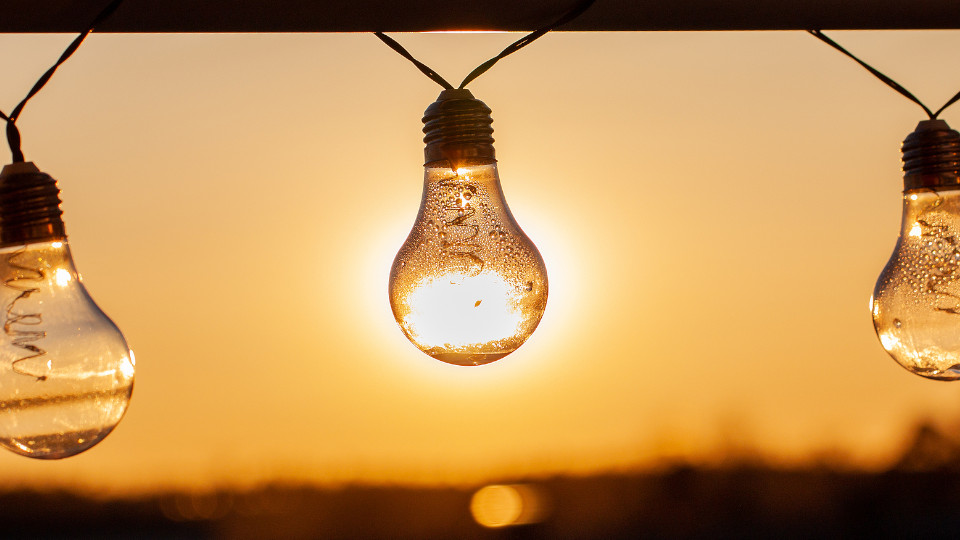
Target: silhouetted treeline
[917, 498]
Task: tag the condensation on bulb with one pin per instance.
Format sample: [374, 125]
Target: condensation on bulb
[916, 302]
[468, 286]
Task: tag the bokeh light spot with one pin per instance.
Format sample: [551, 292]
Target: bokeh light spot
[498, 506]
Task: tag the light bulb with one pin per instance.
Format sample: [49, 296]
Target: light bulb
[467, 287]
[916, 302]
[66, 373]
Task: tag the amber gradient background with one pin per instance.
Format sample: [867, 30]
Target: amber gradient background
[713, 209]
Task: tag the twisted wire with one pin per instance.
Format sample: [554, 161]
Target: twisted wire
[571, 14]
[887, 80]
[13, 134]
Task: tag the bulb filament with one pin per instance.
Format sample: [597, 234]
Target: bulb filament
[457, 199]
[25, 282]
[944, 271]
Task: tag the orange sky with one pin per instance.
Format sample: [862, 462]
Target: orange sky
[713, 210]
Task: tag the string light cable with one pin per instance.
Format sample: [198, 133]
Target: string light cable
[13, 134]
[887, 80]
[916, 299]
[570, 15]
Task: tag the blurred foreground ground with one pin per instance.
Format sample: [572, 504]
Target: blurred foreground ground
[916, 498]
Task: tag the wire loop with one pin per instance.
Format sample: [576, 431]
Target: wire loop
[887, 80]
[573, 13]
[13, 134]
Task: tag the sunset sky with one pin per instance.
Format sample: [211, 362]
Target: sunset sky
[713, 210]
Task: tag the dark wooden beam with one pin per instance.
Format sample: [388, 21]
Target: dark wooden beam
[41, 16]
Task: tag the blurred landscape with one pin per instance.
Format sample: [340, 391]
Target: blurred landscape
[916, 497]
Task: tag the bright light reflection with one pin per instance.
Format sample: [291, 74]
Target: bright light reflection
[62, 277]
[934, 360]
[465, 32]
[889, 342]
[127, 367]
[456, 311]
[915, 230]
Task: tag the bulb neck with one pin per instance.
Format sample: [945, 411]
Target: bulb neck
[457, 128]
[29, 206]
[931, 157]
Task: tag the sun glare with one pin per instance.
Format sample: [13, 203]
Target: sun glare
[465, 32]
[474, 310]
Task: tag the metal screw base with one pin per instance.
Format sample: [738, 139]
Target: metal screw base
[931, 157]
[29, 206]
[457, 127]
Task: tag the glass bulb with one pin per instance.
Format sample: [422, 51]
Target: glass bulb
[916, 302]
[467, 287]
[66, 372]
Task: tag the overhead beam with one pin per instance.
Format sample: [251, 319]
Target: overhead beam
[193, 16]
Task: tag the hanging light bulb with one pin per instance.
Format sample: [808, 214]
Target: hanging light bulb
[467, 287]
[916, 302]
[66, 373]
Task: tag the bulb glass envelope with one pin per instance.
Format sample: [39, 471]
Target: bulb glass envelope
[467, 287]
[66, 372]
[916, 302]
[916, 305]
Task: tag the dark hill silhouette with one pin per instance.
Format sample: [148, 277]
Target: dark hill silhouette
[916, 498]
[930, 450]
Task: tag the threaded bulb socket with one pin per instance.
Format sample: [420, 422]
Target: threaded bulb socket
[457, 128]
[931, 157]
[29, 206]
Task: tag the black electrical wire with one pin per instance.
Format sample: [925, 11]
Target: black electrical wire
[889, 82]
[573, 13]
[434, 76]
[13, 134]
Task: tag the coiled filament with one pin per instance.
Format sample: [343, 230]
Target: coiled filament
[17, 325]
[457, 199]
